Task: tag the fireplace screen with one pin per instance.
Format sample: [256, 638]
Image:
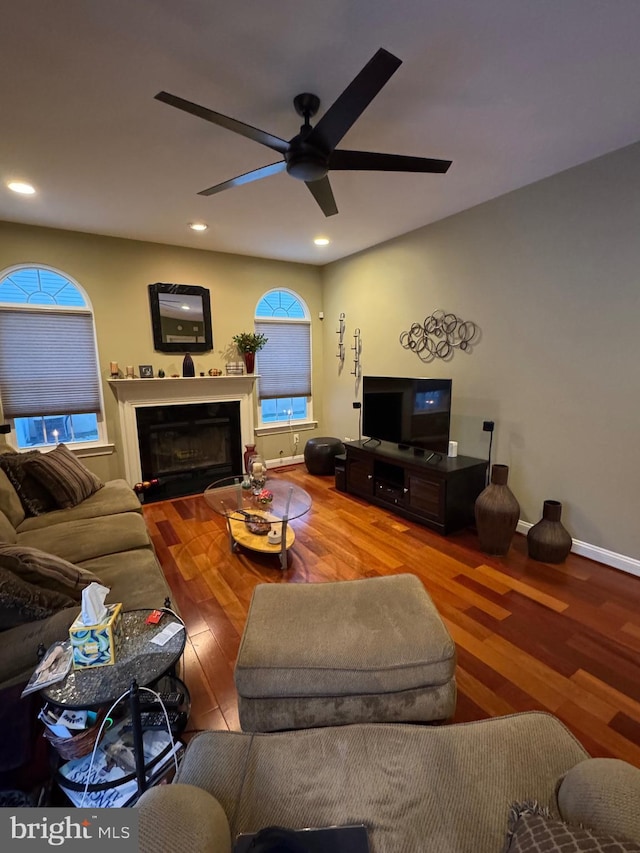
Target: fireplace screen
[186, 447]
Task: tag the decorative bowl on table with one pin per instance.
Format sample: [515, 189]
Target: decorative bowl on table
[256, 524]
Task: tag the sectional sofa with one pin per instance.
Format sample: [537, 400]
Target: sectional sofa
[104, 535]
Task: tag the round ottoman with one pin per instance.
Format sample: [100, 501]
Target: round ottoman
[320, 455]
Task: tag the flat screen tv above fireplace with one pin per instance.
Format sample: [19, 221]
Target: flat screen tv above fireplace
[407, 411]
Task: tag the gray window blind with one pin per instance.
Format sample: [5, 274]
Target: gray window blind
[284, 364]
[47, 364]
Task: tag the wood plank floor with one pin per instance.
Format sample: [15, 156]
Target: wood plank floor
[564, 639]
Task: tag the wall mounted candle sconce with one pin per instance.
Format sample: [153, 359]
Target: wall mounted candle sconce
[357, 349]
[340, 334]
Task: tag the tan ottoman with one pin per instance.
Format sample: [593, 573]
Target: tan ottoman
[363, 651]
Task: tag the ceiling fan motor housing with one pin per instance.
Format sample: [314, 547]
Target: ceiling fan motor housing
[305, 162]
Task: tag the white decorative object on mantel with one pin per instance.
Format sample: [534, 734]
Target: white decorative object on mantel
[134, 393]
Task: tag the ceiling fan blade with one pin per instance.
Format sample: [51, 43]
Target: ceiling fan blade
[350, 105]
[233, 124]
[370, 161]
[247, 178]
[323, 194]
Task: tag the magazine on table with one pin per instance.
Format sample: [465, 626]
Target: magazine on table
[53, 667]
[115, 758]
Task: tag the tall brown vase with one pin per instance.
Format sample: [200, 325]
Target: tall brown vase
[497, 513]
[549, 541]
[249, 361]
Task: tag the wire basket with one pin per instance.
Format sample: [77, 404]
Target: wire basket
[77, 745]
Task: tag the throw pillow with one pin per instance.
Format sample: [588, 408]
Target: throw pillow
[533, 830]
[34, 496]
[22, 602]
[46, 570]
[63, 474]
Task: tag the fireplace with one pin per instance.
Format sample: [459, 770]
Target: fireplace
[186, 447]
[186, 432]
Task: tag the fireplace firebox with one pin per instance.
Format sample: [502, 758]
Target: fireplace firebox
[186, 447]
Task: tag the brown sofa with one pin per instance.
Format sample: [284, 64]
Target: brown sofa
[417, 789]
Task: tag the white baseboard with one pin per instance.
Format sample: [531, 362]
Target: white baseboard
[593, 552]
[274, 464]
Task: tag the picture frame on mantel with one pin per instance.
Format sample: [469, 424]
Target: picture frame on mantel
[146, 371]
[180, 318]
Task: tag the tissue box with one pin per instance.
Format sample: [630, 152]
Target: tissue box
[97, 645]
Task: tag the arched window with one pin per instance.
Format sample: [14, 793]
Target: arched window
[284, 364]
[49, 380]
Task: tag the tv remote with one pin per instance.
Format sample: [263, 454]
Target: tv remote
[171, 700]
[157, 720]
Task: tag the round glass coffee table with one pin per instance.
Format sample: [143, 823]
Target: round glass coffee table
[256, 520]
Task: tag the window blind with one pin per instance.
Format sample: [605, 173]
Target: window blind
[284, 364]
[48, 364]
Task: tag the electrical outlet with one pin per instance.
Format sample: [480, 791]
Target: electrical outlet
[296, 438]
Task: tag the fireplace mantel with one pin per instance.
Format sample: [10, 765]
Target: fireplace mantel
[134, 393]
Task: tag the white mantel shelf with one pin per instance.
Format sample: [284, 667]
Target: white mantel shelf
[174, 391]
[203, 380]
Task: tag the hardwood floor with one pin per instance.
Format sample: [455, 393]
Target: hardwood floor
[564, 639]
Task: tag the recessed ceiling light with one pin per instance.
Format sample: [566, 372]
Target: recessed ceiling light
[185, 307]
[21, 187]
[198, 226]
[322, 241]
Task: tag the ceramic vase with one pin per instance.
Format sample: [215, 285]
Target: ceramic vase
[497, 512]
[549, 541]
[188, 367]
[249, 361]
[249, 451]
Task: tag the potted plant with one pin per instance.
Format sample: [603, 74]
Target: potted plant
[248, 344]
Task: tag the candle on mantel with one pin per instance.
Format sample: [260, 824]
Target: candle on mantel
[130, 372]
[113, 366]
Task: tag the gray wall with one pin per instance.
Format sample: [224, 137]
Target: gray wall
[550, 273]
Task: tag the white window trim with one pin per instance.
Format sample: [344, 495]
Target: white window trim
[302, 424]
[101, 446]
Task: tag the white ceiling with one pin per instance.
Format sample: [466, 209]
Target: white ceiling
[510, 90]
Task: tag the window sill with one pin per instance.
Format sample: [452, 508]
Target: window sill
[97, 450]
[294, 426]
[80, 452]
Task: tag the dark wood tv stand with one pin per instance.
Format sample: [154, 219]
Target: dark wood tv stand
[439, 492]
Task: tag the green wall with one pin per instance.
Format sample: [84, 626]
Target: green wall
[550, 273]
[115, 274]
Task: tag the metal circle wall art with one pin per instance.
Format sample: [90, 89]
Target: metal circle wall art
[439, 336]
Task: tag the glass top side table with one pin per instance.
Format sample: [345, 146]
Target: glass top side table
[139, 659]
[140, 662]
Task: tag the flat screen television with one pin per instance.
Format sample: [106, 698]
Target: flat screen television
[410, 412]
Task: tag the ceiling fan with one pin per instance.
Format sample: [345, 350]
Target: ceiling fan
[312, 153]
